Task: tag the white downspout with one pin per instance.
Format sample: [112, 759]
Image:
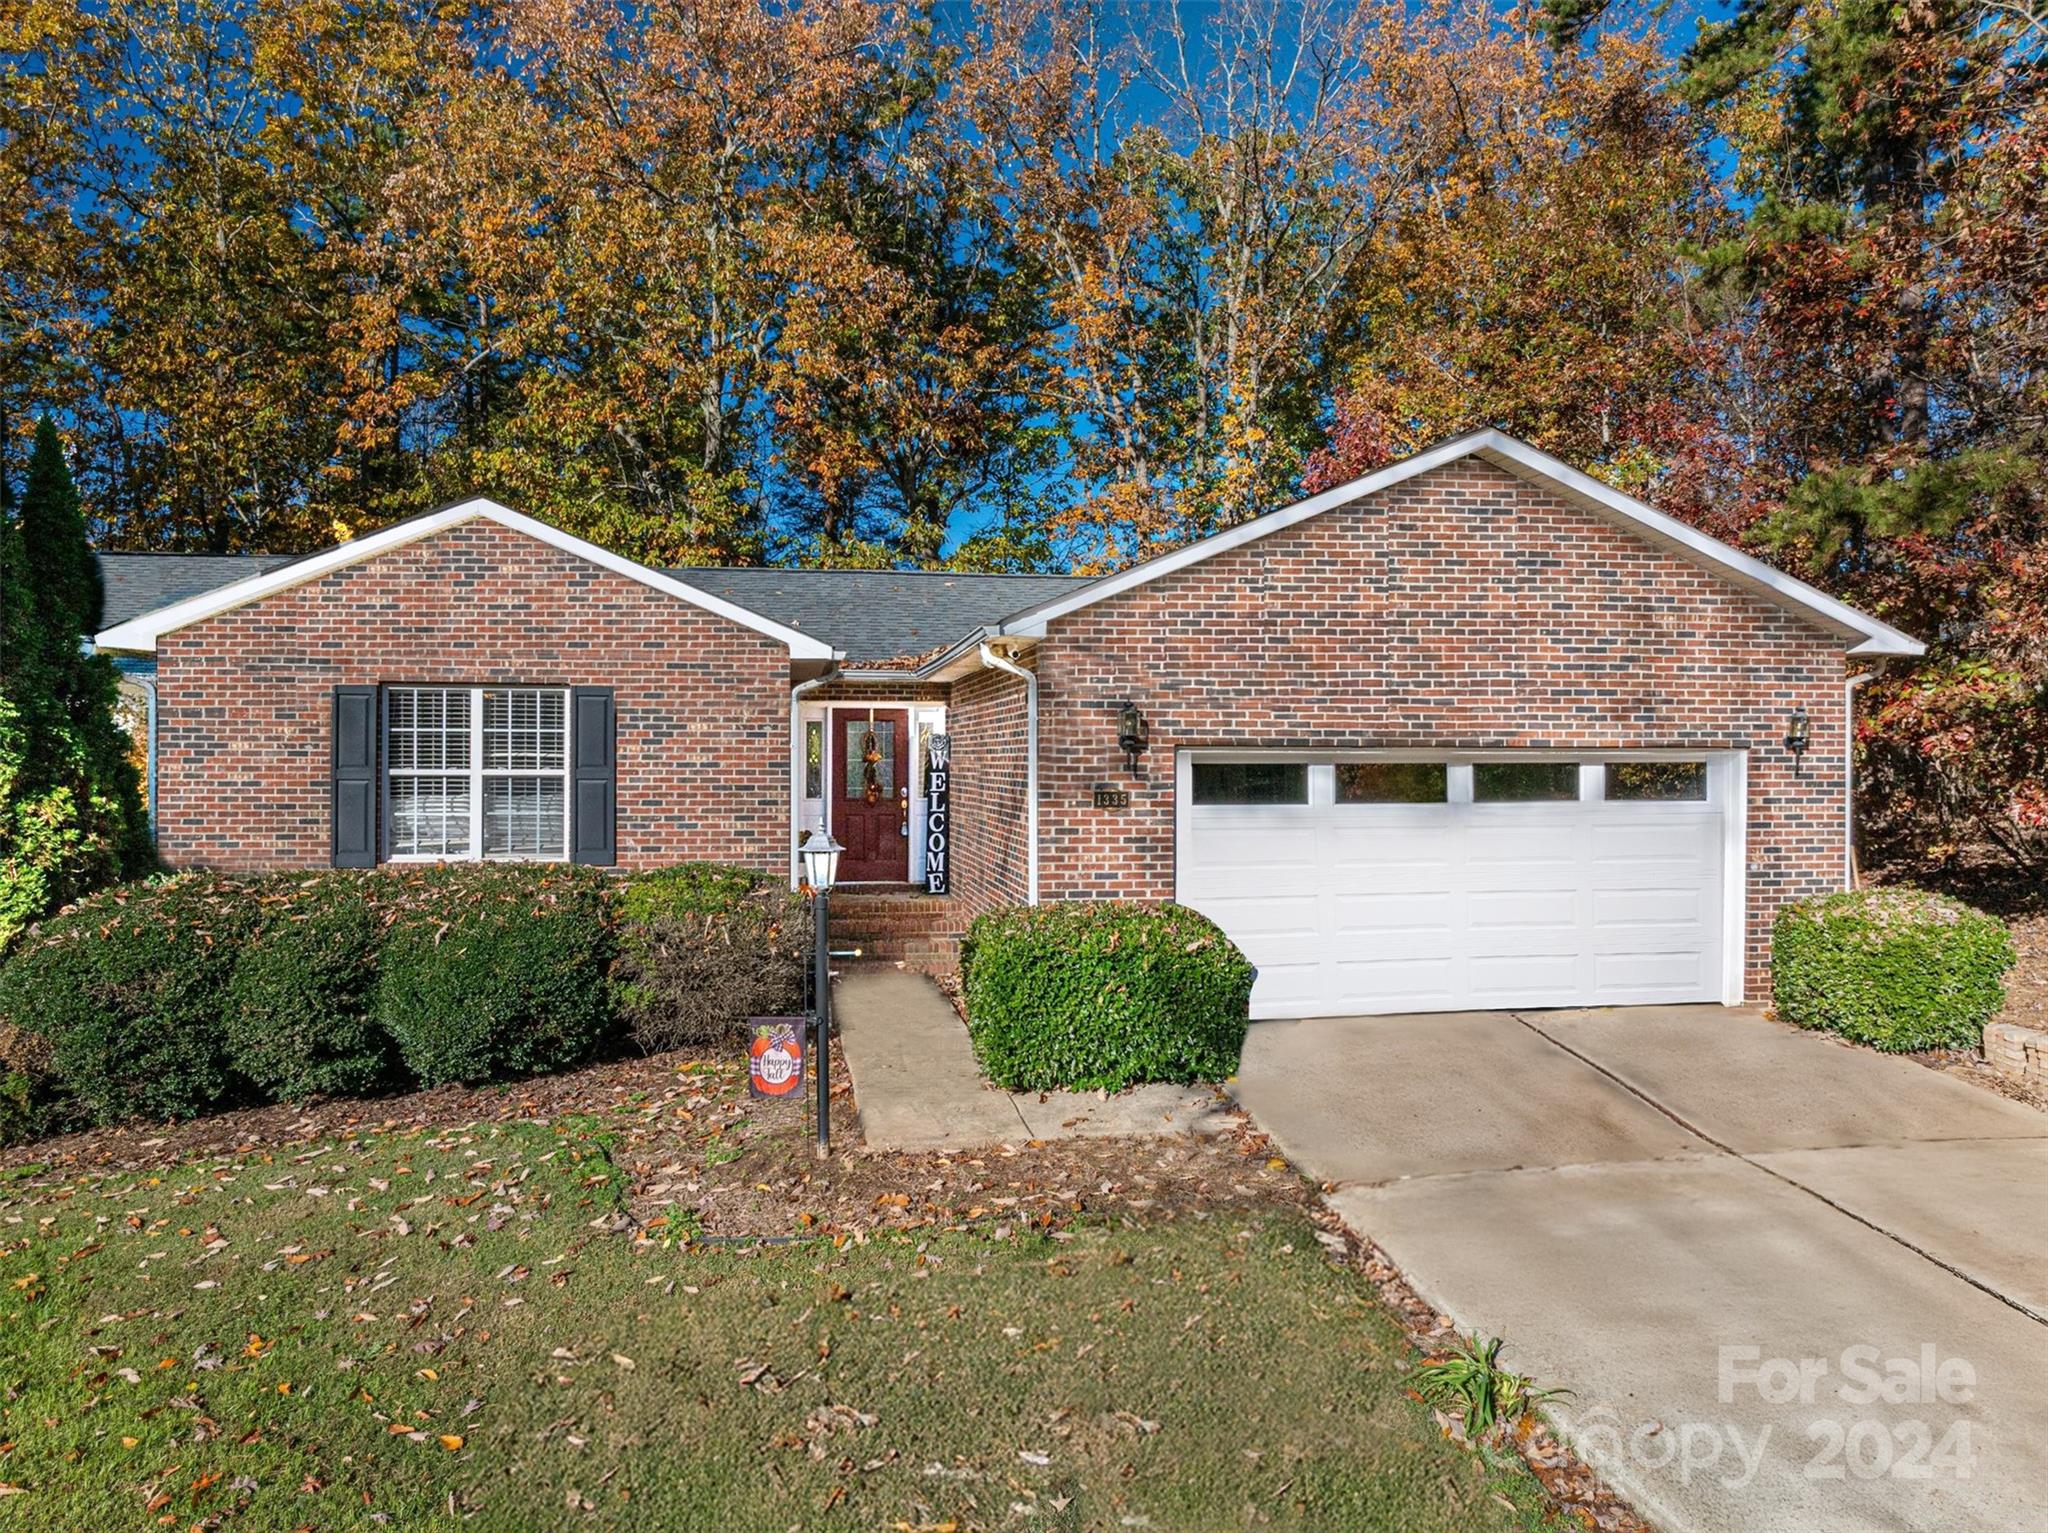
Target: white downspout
[148, 685]
[796, 765]
[998, 662]
[1849, 775]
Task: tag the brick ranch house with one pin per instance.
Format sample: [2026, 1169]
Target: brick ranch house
[1473, 731]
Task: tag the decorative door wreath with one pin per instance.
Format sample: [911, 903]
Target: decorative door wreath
[871, 763]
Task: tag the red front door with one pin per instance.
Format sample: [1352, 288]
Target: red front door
[871, 794]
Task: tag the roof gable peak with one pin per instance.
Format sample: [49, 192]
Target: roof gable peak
[1531, 464]
[141, 633]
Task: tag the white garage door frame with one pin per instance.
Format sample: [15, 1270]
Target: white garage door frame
[1728, 793]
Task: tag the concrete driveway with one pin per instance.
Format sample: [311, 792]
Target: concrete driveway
[1791, 1284]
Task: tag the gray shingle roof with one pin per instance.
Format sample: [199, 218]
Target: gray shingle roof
[139, 583]
[880, 614]
[873, 615]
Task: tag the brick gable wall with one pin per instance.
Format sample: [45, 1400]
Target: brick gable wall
[244, 719]
[987, 721]
[1464, 609]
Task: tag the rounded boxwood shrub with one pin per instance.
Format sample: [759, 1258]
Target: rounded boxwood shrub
[1088, 995]
[489, 972]
[703, 947]
[1894, 968]
[31, 1098]
[297, 1019]
[128, 988]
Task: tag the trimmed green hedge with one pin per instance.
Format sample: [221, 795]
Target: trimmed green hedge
[297, 1011]
[31, 1102]
[496, 971]
[703, 947]
[174, 997]
[1097, 994]
[127, 989]
[1897, 969]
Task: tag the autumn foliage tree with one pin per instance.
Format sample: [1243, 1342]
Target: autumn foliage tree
[1048, 283]
[1195, 185]
[1887, 283]
[1539, 280]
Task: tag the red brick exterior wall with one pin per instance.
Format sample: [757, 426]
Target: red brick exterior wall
[883, 694]
[1464, 609]
[987, 722]
[244, 714]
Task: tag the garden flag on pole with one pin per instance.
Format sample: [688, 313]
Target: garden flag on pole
[775, 1059]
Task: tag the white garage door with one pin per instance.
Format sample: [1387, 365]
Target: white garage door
[1360, 886]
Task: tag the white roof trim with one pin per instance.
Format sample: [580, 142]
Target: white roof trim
[1525, 462]
[140, 634]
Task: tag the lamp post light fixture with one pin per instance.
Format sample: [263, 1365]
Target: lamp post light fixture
[820, 856]
[1133, 735]
[1797, 738]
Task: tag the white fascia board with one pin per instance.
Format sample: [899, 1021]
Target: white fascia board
[955, 661]
[140, 634]
[1525, 462]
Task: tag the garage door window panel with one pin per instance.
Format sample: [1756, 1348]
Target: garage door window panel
[1393, 782]
[1525, 782]
[1657, 782]
[1250, 782]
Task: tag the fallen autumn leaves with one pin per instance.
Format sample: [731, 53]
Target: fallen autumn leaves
[697, 1157]
[556, 1301]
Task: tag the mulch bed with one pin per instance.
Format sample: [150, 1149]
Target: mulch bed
[148, 1146]
[704, 1159]
[2026, 987]
[1967, 1065]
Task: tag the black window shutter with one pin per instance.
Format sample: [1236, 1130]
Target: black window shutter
[355, 777]
[593, 776]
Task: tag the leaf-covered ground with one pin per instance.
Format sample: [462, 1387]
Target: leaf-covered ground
[695, 1154]
[420, 1326]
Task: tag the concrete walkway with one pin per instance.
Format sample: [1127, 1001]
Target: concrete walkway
[1716, 1231]
[917, 1088]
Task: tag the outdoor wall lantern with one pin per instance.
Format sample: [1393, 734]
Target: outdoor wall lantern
[1797, 739]
[1132, 736]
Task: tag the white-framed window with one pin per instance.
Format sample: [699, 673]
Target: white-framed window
[474, 772]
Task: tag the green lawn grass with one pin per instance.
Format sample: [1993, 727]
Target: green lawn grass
[413, 1331]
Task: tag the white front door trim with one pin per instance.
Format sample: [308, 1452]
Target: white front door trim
[813, 813]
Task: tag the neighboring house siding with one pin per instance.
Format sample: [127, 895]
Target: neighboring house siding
[987, 721]
[1461, 610]
[244, 718]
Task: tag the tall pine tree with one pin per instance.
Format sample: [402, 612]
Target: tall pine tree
[61, 568]
[1882, 374]
[71, 816]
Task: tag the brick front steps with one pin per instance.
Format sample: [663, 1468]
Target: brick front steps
[903, 925]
